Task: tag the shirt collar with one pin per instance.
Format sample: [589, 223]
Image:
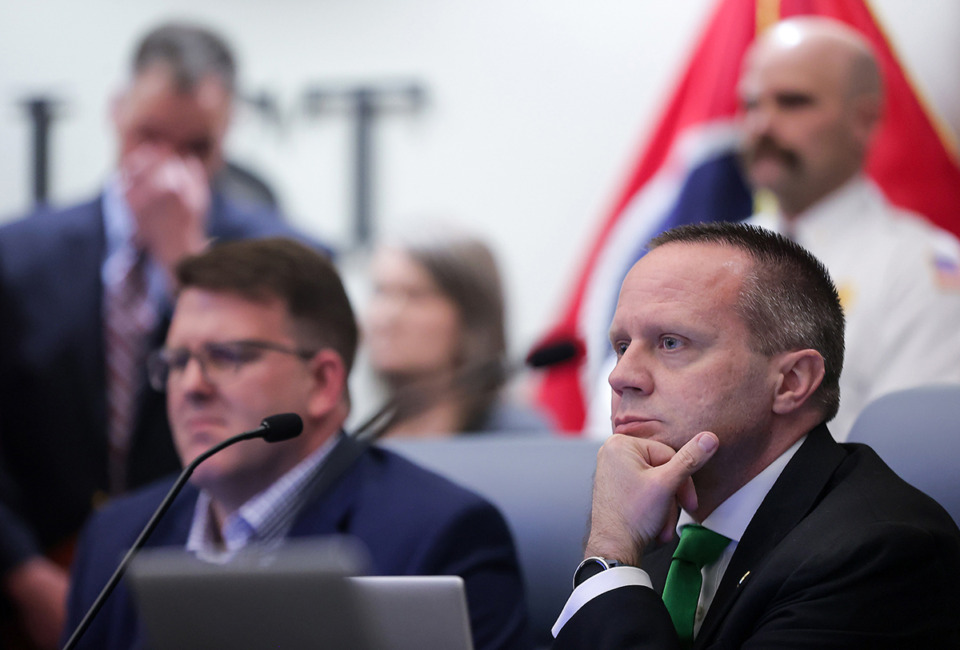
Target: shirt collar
[265, 518]
[847, 200]
[731, 517]
[117, 220]
[118, 227]
[852, 200]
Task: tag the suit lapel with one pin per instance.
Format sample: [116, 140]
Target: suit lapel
[331, 500]
[790, 499]
[174, 528]
[80, 299]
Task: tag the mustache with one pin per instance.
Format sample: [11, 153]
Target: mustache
[765, 146]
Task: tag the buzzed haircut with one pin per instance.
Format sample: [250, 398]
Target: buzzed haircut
[787, 300]
[191, 52]
[305, 280]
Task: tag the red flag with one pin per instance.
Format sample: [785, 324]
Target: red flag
[687, 173]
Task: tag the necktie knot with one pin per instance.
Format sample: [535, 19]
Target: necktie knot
[133, 286]
[700, 546]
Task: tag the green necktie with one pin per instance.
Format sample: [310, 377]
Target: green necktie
[698, 547]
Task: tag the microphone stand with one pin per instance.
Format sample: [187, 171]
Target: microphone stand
[152, 524]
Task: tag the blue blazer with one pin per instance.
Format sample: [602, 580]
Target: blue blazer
[841, 554]
[412, 521]
[53, 441]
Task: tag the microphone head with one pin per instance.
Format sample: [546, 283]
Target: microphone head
[555, 352]
[282, 426]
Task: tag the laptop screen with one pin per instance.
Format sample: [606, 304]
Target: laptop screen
[302, 595]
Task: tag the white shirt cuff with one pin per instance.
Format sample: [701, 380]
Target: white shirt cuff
[601, 583]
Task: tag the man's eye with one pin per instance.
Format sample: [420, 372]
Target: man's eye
[178, 360]
[670, 343]
[794, 100]
[620, 348]
[222, 356]
[148, 134]
[200, 149]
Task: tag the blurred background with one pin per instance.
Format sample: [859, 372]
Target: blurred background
[519, 120]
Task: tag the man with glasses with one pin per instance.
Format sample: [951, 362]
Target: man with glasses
[265, 327]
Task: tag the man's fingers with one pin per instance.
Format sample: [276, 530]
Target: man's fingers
[637, 487]
[139, 163]
[697, 451]
[686, 462]
[691, 457]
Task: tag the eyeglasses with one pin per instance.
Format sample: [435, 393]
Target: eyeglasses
[218, 361]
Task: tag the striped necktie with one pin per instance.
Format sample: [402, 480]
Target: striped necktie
[698, 547]
[128, 318]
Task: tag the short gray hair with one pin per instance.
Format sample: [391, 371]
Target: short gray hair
[191, 52]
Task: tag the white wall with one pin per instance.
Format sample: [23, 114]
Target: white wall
[535, 107]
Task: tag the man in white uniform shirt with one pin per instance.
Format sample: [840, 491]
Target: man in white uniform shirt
[812, 96]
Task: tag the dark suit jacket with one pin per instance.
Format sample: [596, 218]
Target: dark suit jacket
[840, 554]
[53, 442]
[412, 521]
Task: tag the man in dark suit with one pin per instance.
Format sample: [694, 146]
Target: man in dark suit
[76, 422]
[264, 327]
[729, 342]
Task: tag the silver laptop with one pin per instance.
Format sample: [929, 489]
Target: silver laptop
[298, 596]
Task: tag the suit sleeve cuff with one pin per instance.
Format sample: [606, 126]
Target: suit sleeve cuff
[601, 583]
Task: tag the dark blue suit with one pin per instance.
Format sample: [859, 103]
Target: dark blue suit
[53, 443]
[412, 521]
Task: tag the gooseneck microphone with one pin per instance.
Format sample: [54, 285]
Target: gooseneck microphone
[275, 428]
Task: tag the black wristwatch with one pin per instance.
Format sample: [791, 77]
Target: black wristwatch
[591, 567]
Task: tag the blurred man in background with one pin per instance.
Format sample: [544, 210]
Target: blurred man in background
[84, 293]
[812, 97]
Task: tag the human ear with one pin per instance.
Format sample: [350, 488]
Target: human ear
[868, 110]
[800, 373]
[330, 376]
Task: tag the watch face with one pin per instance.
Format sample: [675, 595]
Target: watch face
[587, 569]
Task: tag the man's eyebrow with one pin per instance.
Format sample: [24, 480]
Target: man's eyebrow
[615, 333]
